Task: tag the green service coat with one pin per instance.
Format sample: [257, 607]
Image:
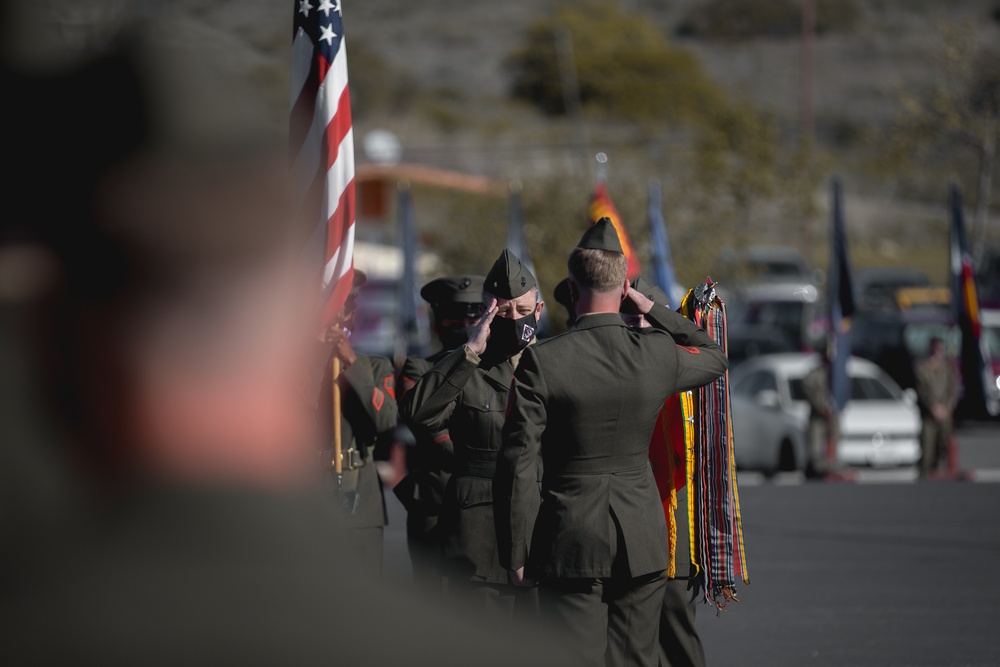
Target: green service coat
[468, 396]
[368, 410]
[587, 401]
[429, 461]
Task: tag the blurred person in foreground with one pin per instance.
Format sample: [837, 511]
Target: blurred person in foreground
[937, 395]
[367, 390]
[455, 307]
[587, 401]
[466, 392]
[172, 343]
[679, 643]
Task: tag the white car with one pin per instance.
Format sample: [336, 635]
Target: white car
[991, 351]
[880, 426]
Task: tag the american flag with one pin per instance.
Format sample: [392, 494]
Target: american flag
[321, 142]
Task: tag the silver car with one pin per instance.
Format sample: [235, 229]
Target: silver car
[880, 426]
[991, 351]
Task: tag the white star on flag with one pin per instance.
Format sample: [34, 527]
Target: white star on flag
[327, 33]
[325, 6]
[304, 7]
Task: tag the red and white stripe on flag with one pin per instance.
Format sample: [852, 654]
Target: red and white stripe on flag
[321, 142]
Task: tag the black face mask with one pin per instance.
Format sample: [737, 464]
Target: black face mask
[508, 337]
[455, 336]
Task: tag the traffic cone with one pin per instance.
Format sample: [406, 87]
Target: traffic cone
[953, 470]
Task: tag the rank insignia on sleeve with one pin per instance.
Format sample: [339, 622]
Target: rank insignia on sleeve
[378, 398]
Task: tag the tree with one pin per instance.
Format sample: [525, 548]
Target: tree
[729, 180]
[960, 108]
[624, 66]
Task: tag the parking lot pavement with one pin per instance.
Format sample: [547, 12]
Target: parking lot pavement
[978, 459]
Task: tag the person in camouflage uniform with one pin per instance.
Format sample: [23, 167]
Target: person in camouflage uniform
[937, 396]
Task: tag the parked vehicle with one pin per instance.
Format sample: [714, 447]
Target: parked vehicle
[760, 263]
[793, 308]
[880, 426]
[991, 348]
[779, 263]
[746, 342]
[876, 287]
[896, 339]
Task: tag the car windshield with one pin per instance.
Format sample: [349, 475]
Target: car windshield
[755, 382]
[862, 389]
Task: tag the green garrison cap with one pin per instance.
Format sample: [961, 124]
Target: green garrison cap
[601, 236]
[651, 291]
[453, 289]
[562, 293]
[509, 278]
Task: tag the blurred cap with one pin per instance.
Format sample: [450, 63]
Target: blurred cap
[360, 278]
[453, 289]
[650, 291]
[601, 236]
[562, 293]
[509, 278]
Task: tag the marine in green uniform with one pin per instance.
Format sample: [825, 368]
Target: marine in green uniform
[587, 401]
[679, 643]
[368, 410]
[455, 305]
[466, 392]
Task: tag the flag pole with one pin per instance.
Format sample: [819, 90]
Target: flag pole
[338, 457]
[602, 167]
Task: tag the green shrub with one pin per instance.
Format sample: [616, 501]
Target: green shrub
[623, 65]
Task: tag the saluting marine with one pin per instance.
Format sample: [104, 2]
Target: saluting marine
[455, 305]
[679, 643]
[587, 402]
[466, 392]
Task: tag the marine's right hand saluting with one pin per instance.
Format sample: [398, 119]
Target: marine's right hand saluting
[636, 302]
[477, 341]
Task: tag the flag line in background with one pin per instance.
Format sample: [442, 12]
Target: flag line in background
[663, 262]
[517, 243]
[601, 206]
[321, 144]
[840, 301]
[973, 356]
[517, 240]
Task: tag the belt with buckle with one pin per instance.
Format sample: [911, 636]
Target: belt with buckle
[353, 459]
